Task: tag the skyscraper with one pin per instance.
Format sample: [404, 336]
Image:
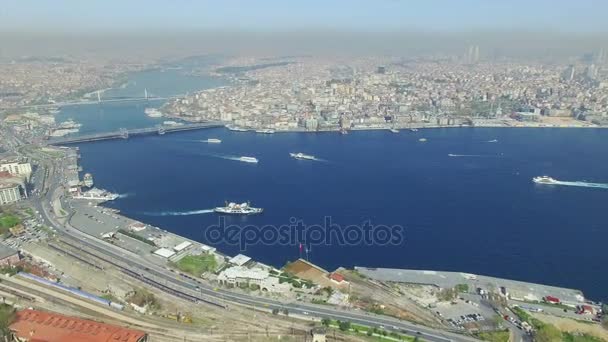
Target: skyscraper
[472, 54]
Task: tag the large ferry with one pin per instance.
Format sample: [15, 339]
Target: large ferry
[248, 159]
[238, 209]
[301, 155]
[544, 180]
[96, 195]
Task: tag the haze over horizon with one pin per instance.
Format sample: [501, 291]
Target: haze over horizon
[583, 16]
[384, 27]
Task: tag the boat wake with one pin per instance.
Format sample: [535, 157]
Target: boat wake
[180, 213]
[582, 184]
[471, 155]
[126, 195]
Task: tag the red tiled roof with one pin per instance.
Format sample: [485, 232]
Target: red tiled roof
[33, 325]
[337, 277]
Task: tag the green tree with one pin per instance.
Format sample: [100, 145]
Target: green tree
[7, 315]
[326, 322]
[548, 333]
[344, 326]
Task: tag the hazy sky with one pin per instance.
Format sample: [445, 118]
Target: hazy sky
[360, 15]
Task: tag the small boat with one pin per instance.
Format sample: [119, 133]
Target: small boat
[422, 139]
[493, 141]
[414, 129]
[343, 131]
[393, 130]
[213, 141]
[248, 159]
[301, 155]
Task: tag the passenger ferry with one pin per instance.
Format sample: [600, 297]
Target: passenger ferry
[248, 159]
[265, 131]
[96, 195]
[301, 155]
[544, 180]
[238, 209]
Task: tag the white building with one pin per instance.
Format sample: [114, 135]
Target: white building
[240, 275]
[16, 168]
[9, 193]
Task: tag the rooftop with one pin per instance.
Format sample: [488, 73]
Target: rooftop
[240, 260]
[6, 251]
[36, 325]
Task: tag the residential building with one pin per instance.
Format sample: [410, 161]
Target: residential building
[9, 192]
[17, 168]
[8, 256]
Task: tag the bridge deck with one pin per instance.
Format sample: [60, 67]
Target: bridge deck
[123, 133]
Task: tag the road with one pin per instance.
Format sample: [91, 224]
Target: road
[135, 265]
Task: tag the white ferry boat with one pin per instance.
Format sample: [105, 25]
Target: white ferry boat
[153, 112]
[238, 209]
[265, 131]
[248, 159]
[96, 195]
[301, 155]
[172, 123]
[213, 141]
[236, 129]
[544, 180]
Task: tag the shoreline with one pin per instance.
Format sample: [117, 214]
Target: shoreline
[177, 236]
[422, 273]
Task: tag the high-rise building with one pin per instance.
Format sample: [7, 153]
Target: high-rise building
[600, 56]
[472, 54]
[591, 71]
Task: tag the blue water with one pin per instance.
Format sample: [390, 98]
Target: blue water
[113, 116]
[479, 213]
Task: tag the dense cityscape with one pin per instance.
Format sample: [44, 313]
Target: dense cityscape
[446, 187]
[316, 95]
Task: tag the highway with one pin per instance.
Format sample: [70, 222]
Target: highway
[133, 265]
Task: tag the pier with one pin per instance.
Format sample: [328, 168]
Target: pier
[127, 133]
